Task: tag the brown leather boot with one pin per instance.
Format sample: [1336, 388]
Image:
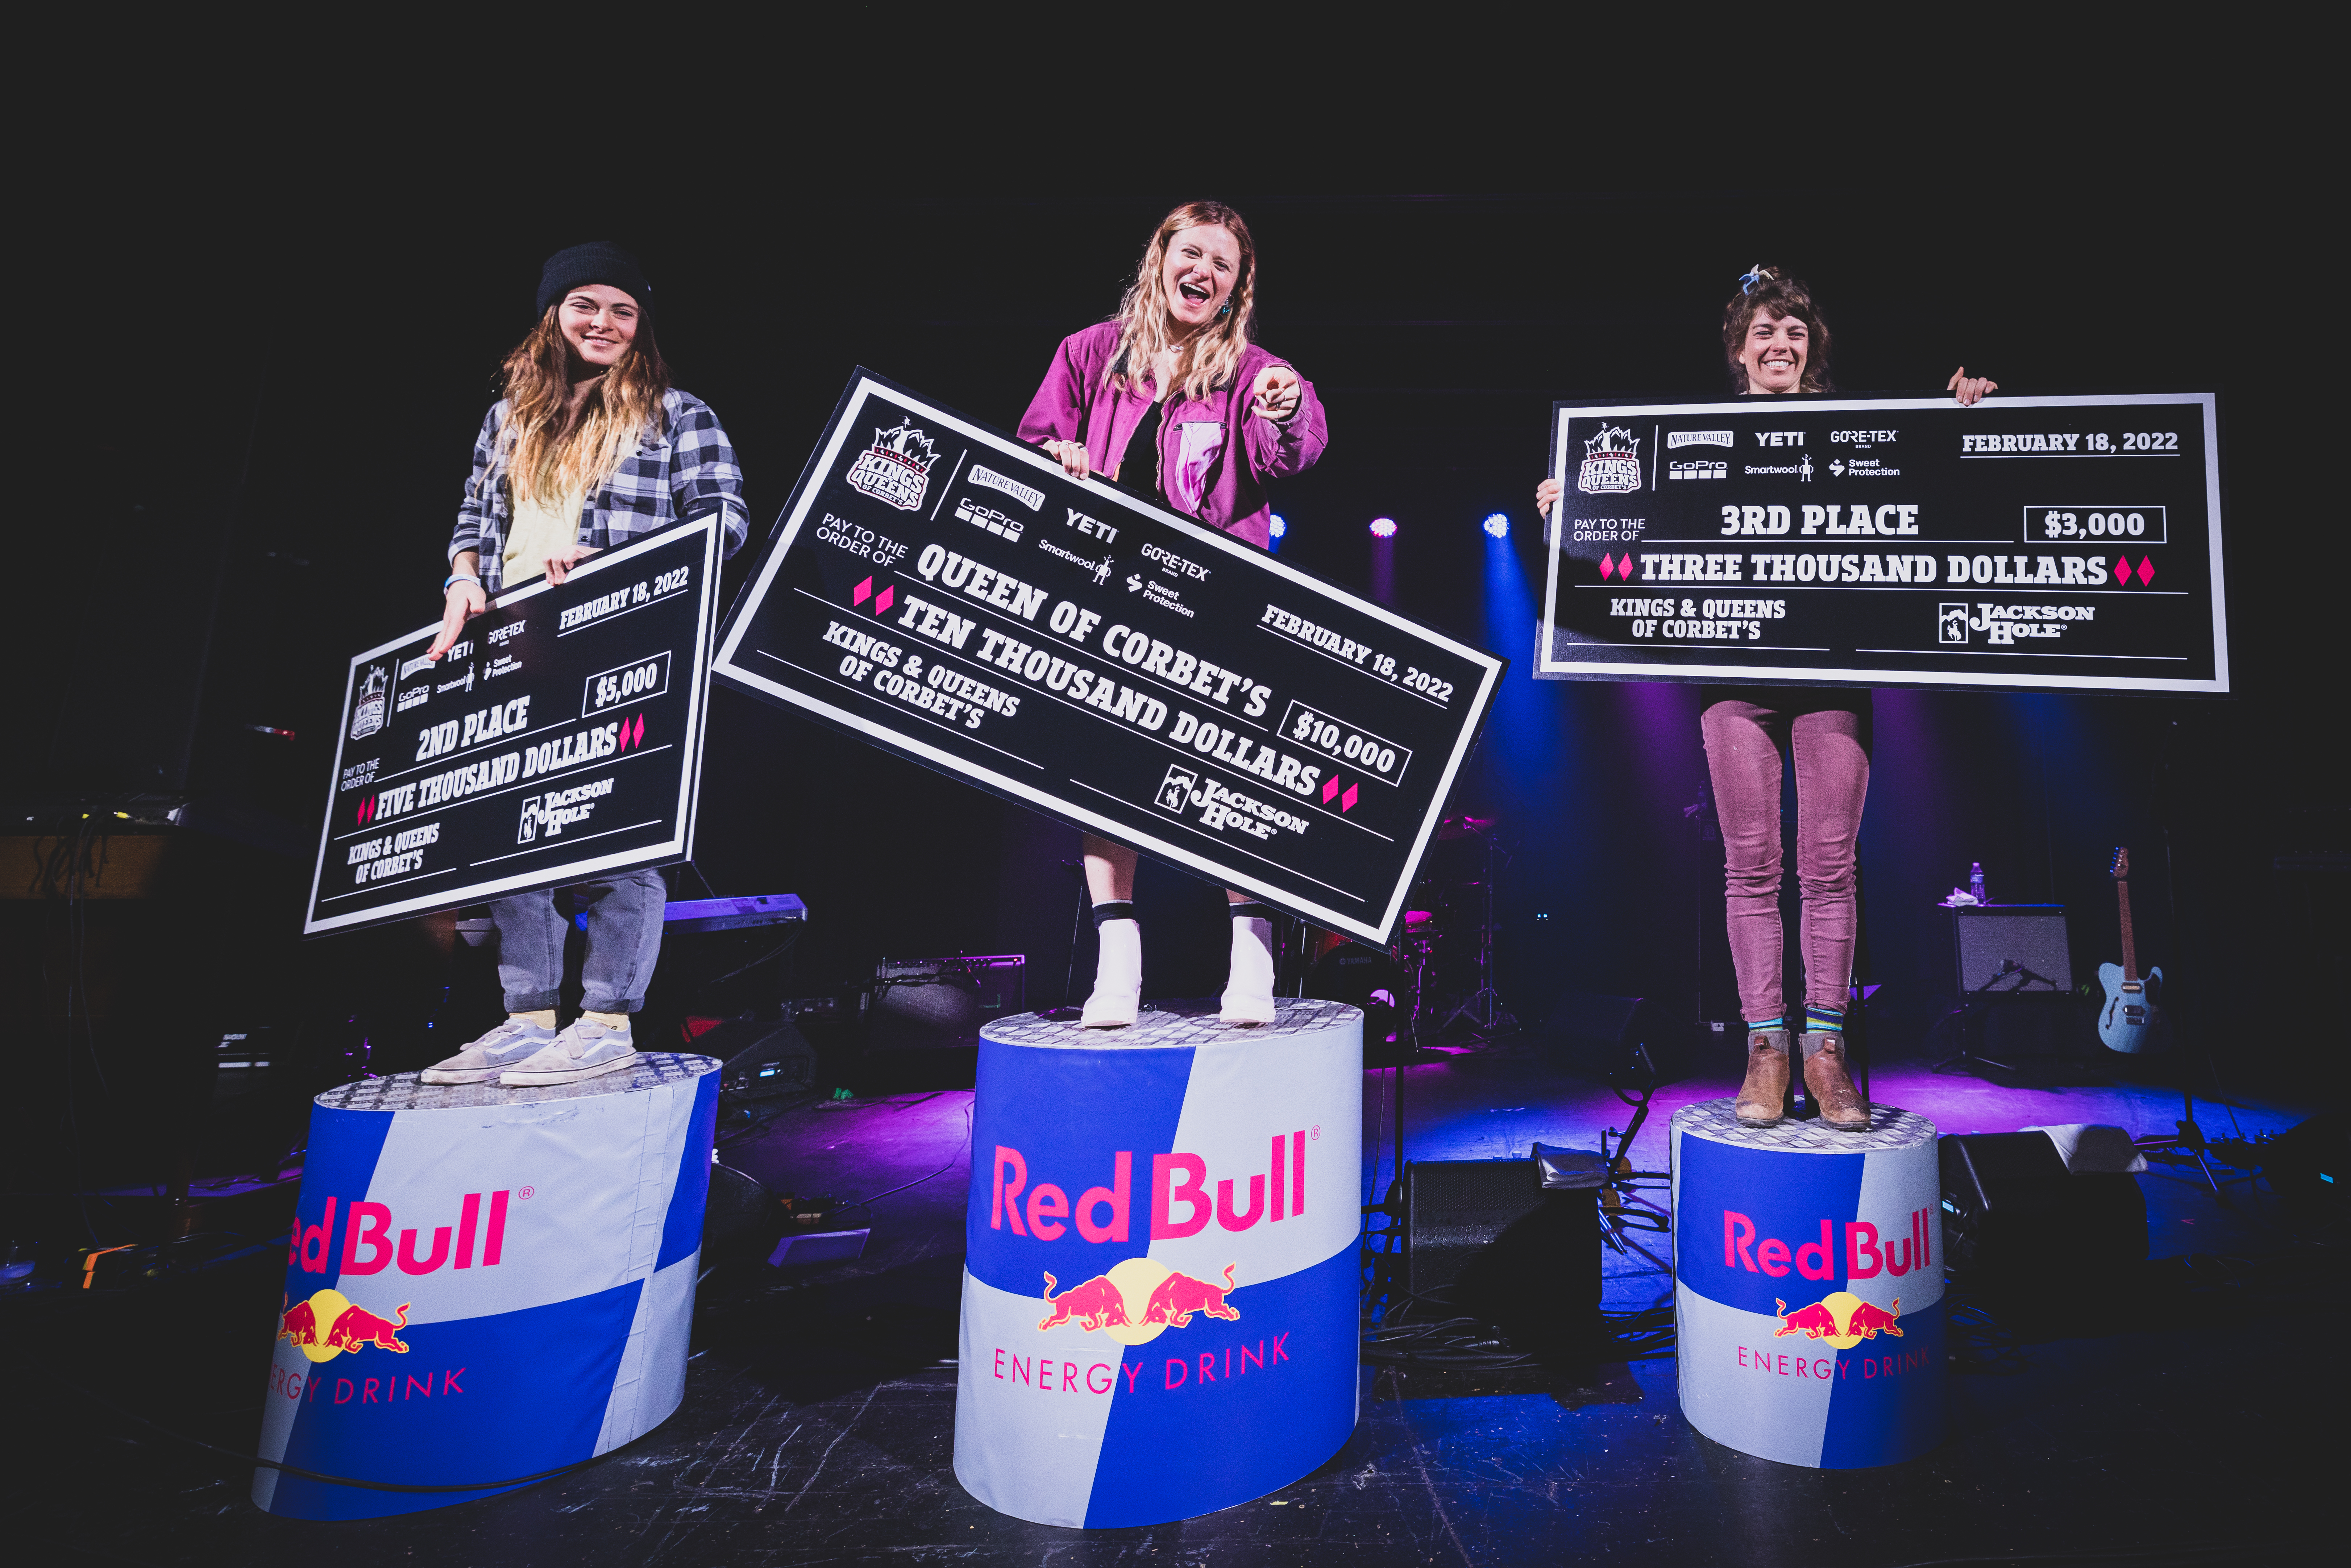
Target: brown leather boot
[1830, 1084]
[1763, 1098]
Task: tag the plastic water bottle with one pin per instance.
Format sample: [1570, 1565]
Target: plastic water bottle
[1975, 883]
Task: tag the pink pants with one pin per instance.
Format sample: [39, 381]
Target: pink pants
[1830, 746]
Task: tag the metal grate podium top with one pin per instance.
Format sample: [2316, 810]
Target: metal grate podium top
[409, 1091]
[1173, 1024]
[1890, 1127]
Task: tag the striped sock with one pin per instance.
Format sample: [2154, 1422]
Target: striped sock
[1824, 1020]
[1767, 1025]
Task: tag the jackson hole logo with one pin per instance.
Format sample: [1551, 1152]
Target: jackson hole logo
[1612, 463]
[896, 468]
[1952, 624]
[368, 716]
[1176, 789]
[527, 830]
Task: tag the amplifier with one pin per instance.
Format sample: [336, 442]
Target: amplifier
[928, 1004]
[1993, 938]
[2012, 1212]
[1503, 1249]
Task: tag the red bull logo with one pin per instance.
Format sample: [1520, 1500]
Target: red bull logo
[370, 1248]
[1179, 1182]
[329, 1323]
[1866, 1255]
[1841, 1319]
[1139, 1299]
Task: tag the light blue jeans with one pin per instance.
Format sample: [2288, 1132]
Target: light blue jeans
[624, 932]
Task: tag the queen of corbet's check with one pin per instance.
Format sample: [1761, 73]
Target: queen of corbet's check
[2059, 543]
[944, 591]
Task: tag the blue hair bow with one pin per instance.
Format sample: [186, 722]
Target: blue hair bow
[1751, 277]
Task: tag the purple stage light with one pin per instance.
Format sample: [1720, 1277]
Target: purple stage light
[1383, 528]
[1498, 525]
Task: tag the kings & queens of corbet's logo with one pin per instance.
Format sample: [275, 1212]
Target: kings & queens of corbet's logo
[1612, 463]
[367, 715]
[896, 468]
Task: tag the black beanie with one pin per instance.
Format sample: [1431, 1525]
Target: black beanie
[598, 261]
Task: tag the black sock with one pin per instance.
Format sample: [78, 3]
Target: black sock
[1252, 910]
[1116, 909]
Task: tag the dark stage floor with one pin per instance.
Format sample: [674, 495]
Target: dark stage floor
[2184, 1419]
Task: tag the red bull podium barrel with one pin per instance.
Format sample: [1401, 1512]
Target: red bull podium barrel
[484, 1284]
[1160, 1275]
[1808, 1286]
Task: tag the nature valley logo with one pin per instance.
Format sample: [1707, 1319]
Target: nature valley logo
[896, 468]
[1138, 1301]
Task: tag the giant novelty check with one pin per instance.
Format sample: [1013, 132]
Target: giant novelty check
[560, 738]
[944, 591]
[2026, 543]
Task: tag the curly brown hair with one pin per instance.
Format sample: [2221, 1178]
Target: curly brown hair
[1771, 289]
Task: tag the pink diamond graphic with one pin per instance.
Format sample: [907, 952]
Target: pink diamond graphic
[1347, 801]
[861, 592]
[1607, 567]
[883, 600]
[2146, 572]
[2122, 572]
[1329, 788]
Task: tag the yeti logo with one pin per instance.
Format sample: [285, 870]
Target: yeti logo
[1176, 789]
[1952, 624]
[529, 831]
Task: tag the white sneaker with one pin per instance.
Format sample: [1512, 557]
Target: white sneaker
[1248, 987]
[583, 1050]
[1118, 976]
[502, 1047]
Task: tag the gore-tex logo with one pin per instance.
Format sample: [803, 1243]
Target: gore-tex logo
[368, 1245]
[1102, 1213]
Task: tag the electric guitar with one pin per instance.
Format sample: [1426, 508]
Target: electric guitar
[2130, 1021]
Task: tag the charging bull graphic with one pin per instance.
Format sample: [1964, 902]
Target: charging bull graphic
[1842, 1319]
[1138, 1300]
[345, 1326]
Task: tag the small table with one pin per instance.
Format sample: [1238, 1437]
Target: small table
[1160, 1273]
[485, 1283]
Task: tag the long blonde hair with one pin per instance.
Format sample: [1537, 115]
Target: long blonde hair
[549, 453]
[1214, 354]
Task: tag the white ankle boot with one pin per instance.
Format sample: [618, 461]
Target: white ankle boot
[1118, 975]
[1249, 990]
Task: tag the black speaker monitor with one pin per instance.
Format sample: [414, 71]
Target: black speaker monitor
[1486, 1236]
[2012, 1212]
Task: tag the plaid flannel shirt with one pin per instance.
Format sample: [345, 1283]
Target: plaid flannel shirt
[688, 471]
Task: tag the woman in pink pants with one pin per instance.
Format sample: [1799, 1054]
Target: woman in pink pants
[1775, 341]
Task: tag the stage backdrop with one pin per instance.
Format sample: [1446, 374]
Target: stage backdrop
[2024, 544]
[561, 738]
[945, 592]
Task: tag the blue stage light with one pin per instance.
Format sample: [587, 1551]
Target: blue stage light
[1383, 528]
[1279, 527]
[1498, 525]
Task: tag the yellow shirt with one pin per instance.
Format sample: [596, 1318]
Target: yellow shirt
[541, 528]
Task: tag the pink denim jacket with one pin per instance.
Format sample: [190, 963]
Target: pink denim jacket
[1215, 457]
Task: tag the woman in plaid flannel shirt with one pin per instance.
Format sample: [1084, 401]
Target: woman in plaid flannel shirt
[589, 448]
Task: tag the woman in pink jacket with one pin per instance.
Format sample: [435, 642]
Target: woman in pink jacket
[1170, 397]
